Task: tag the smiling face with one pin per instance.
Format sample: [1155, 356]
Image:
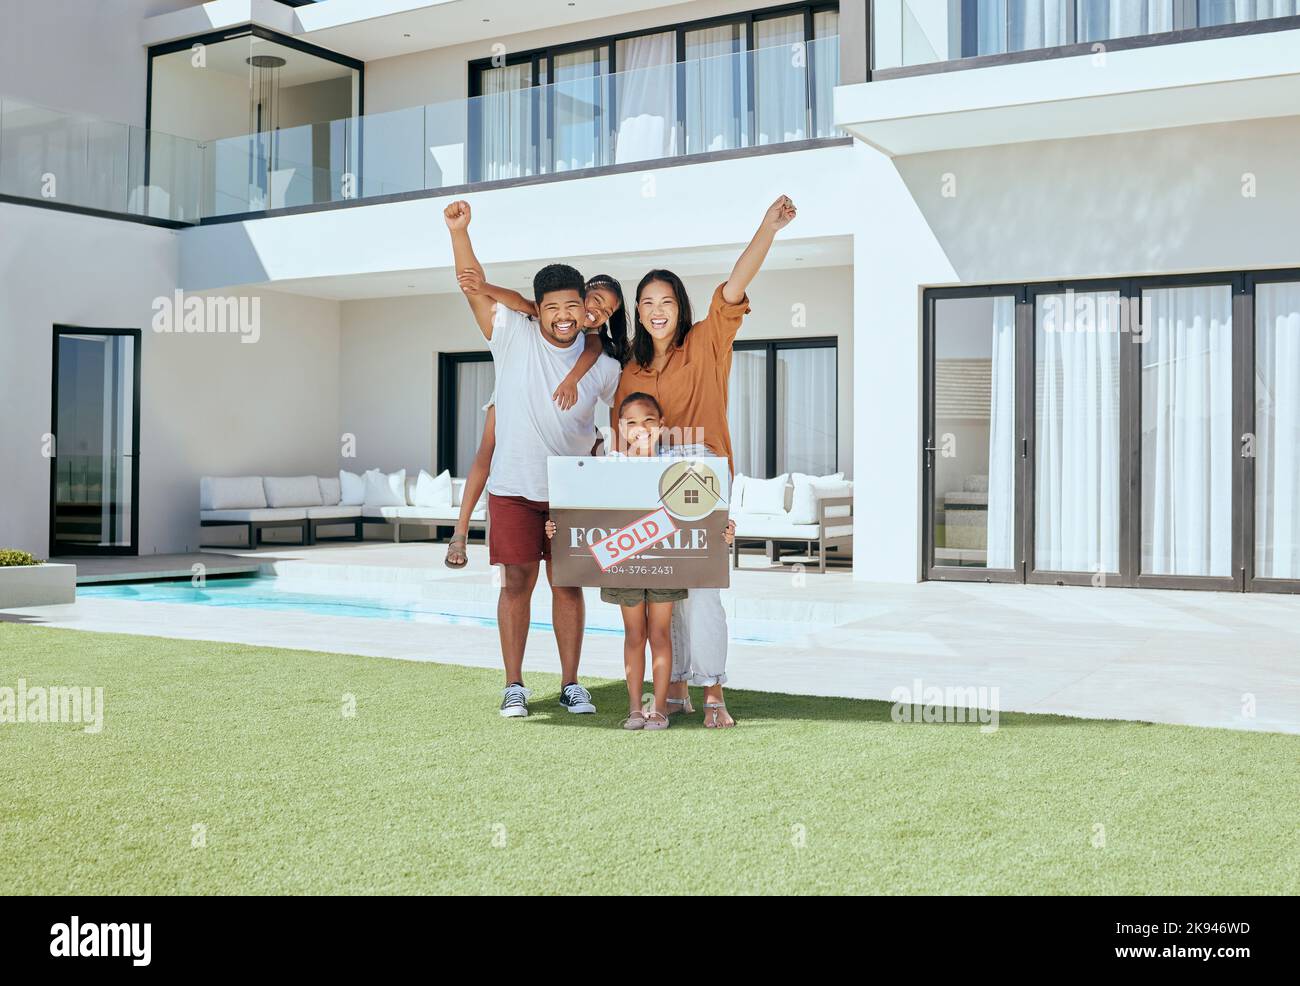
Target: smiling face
[600, 304]
[561, 315]
[658, 310]
[640, 426]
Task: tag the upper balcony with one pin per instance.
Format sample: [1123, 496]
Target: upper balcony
[965, 73]
[582, 122]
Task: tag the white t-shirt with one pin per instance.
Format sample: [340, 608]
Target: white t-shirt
[531, 426]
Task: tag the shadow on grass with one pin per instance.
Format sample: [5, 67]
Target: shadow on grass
[768, 708]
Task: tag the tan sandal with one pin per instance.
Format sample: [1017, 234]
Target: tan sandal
[686, 707]
[711, 719]
[457, 557]
[635, 720]
[656, 720]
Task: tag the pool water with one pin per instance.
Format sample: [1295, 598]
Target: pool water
[268, 593]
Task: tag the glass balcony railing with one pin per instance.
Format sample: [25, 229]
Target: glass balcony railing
[95, 164]
[918, 32]
[748, 99]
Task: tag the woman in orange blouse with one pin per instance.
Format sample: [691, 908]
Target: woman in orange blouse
[686, 365]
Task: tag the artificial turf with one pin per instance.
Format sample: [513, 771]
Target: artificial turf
[224, 768]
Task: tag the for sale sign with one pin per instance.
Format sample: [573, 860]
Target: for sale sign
[639, 523]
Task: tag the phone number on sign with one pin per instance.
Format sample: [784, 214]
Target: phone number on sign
[639, 570]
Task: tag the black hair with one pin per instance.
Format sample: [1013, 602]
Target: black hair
[613, 334]
[556, 277]
[643, 347]
[640, 398]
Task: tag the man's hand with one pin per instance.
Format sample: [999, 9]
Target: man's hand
[471, 281]
[779, 213]
[457, 215]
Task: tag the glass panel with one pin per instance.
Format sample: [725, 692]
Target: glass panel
[503, 120]
[94, 455]
[825, 62]
[1076, 468]
[475, 385]
[646, 97]
[780, 60]
[1036, 24]
[1213, 12]
[1277, 431]
[1187, 445]
[747, 411]
[1100, 20]
[973, 476]
[716, 97]
[578, 98]
[806, 425]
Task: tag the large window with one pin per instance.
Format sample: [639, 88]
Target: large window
[782, 407]
[1138, 432]
[744, 80]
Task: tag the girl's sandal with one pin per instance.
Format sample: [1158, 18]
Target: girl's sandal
[635, 720]
[713, 712]
[457, 557]
[685, 706]
[656, 720]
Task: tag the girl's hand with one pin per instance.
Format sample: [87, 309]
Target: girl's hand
[780, 213]
[566, 394]
[470, 280]
[550, 528]
[729, 532]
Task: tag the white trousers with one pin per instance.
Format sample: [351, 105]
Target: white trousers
[700, 638]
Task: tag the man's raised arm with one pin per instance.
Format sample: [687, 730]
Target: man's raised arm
[462, 251]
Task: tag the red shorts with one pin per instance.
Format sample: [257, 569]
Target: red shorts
[517, 530]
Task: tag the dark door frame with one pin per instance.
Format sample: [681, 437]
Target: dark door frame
[134, 547]
[448, 388]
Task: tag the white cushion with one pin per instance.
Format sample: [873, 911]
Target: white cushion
[231, 493]
[386, 513]
[292, 491]
[431, 491]
[738, 492]
[775, 526]
[766, 496]
[809, 489]
[334, 511]
[331, 490]
[458, 494]
[385, 489]
[266, 513]
[352, 489]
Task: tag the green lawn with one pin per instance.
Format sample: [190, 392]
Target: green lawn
[427, 789]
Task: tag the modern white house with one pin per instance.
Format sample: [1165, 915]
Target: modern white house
[1041, 301]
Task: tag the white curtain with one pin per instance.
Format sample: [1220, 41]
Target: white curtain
[1187, 441]
[647, 98]
[716, 98]
[474, 385]
[1103, 19]
[747, 411]
[506, 122]
[1076, 468]
[1036, 24]
[1277, 431]
[1238, 11]
[806, 419]
[780, 67]
[825, 61]
[1002, 436]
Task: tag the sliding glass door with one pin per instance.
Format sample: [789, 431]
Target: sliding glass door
[94, 482]
[972, 461]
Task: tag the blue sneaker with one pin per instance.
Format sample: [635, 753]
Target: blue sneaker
[514, 701]
[575, 698]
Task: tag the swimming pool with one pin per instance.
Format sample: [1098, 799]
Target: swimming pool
[271, 594]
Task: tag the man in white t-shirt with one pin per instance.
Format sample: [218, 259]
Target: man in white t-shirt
[532, 357]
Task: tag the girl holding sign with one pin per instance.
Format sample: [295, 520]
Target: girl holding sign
[647, 613]
[685, 365]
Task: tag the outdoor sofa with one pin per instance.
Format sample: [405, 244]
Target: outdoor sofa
[812, 512]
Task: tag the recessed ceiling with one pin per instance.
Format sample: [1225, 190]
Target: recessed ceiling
[230, 58]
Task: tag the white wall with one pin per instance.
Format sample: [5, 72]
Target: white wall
[209, 403]
[389, 348]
